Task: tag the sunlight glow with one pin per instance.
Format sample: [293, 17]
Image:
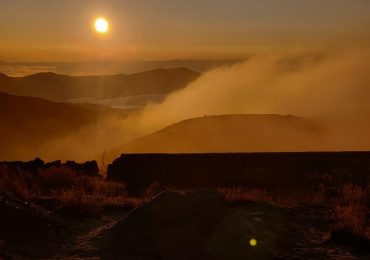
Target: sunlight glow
[101, 25]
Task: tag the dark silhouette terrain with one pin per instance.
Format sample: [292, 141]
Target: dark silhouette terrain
[295, 205]
[89, 168]
[288, 172]
[62, 87]
[110, 67]
[201, 225]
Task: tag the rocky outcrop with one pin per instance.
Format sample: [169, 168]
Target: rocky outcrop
[172, 226]
[89, 168]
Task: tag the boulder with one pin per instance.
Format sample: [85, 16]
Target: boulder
[24, 219]
[89, 168]
[172, 226]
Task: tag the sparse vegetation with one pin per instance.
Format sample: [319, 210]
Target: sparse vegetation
[351, 209]
[347, 208]
[239, 194]
[63, 190]
[332, 212]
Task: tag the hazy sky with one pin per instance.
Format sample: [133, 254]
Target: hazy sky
[61, 30]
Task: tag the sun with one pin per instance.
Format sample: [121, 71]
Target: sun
[101, 25]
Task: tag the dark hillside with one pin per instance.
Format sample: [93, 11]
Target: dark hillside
[28, 123]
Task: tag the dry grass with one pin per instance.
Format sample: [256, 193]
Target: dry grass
[347, 207]
[351, 209]
[237, 194]
[63, 190]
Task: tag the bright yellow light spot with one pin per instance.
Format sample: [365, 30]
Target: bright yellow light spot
[253, 242]
[101, 25]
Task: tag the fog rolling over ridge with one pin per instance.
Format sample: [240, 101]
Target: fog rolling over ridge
[32, 126]
[327, 90]
[332, 89]
[297, 84]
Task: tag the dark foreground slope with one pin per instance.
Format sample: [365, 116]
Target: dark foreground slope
[288, 172]
[62, 87]
[200, 225]
[28, 123]
[62, 211]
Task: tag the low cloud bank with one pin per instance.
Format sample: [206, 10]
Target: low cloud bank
[303, 85]
[326, 85]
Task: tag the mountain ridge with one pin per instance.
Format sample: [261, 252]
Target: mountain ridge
[60, 87]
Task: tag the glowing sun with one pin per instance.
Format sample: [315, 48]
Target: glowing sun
[101, 25]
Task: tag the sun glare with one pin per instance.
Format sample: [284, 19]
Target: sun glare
[101, 25]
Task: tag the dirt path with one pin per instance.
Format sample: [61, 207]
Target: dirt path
[81, 243]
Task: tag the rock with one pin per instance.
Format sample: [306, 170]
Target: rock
[172, 226]
[349, 239]
[57, 163]
[20, 219]
[200, 225]
[89, 168]
[31, 166]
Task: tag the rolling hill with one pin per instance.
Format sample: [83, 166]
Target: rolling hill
[254, 133]
[230, 133]
[62, 87]
[28, 123]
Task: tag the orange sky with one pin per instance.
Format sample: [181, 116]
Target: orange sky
[43, 30]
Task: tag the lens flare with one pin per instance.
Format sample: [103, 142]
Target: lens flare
[253, 242]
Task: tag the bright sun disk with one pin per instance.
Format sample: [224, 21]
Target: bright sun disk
[101, 25]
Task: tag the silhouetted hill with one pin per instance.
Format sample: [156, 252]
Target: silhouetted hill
[3, 76]
[230, 133]
[62, 87]
[27, 123]
[109, 67]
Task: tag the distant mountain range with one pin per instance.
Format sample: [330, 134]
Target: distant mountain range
[62, 87]
[108, 67]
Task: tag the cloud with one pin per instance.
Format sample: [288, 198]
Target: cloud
[298, 84]
[310, 84]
